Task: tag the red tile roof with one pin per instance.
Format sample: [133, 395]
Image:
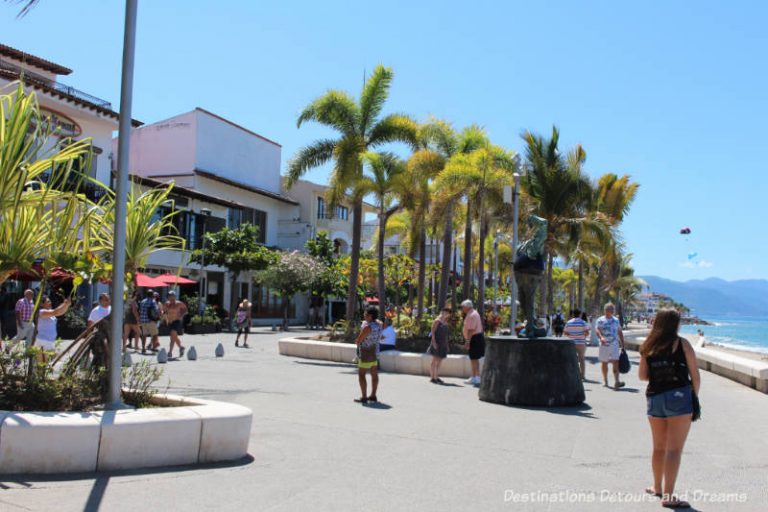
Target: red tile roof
[33, 60]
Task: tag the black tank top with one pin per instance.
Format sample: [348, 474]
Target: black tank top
[667, 371]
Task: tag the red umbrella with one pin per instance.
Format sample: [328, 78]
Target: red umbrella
[372, 300]
[145, 281]
[169, 278]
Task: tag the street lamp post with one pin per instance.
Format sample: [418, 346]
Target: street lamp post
[513, 280]
[204, 213]
[496, 272]
[121, 209]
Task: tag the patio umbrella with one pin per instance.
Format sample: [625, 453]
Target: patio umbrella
[145, 281]
[169, 278]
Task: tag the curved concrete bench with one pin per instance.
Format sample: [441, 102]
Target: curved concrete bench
[184, 431]
[390, 361]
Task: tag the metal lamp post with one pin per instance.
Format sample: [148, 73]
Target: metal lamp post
[496, 272]
[513, 281]
[121, 208]
[205, 213]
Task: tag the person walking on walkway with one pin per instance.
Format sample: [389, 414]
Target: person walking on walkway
[149, 314]
[577, 330]
[438, 348]
[25, 327]
[131, 321]
[668, 363]
[474, 341]
[368, 343]
[243, 321]
[611, 344]
[174, 317]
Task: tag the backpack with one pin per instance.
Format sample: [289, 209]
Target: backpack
[153, 312]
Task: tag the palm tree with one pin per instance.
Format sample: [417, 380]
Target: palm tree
[386, 171]
[360, 130]
[561, 193]
[480, 176]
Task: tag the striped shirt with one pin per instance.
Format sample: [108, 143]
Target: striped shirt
[577, 329]
[25, 308]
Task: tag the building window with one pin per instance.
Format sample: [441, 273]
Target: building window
[342, 213]
[239, 216]
[321, 208]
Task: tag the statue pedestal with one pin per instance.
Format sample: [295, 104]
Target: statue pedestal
[539, 372]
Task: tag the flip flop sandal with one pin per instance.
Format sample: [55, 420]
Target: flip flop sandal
[373, 398]
[652, 491]
[361, 400]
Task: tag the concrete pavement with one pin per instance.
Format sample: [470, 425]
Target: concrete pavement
[425, 447]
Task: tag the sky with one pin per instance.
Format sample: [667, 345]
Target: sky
[671, 93]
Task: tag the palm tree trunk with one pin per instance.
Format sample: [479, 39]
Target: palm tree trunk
[544, 288]
[598, 284]
[481, 271]
[422, 268]
[447, 243]
[380, 250]
[455, 278]
[435, 298]
[550, 285]
[285, 313]
[354, 265]
[581, 285]
[468, 251]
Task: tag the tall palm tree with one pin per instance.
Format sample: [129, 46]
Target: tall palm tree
[360, 129]
[480, 176]
[561, 193]
[383, 180]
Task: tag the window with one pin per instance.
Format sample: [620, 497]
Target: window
[320, 208]
[342, 213]
[238, 217]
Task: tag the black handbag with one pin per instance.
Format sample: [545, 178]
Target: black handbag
[696, 406]
[624, 365]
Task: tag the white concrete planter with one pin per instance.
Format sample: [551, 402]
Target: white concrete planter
[185, 431]
[391, 361]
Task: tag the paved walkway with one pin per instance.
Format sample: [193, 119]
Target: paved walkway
[425, 448]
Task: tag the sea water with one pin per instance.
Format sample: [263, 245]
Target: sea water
[743, 333]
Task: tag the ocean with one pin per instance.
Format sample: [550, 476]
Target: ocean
[743, 333]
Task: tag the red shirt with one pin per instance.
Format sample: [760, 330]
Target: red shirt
[25, 307]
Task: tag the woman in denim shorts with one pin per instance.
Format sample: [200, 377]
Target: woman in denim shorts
[668, 363]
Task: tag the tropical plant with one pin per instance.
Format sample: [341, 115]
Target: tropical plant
[237, 250]
[291, 273]
[561, 194]
[361, 129]
[383, 181]
[480, 176]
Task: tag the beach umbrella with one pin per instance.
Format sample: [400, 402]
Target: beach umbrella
[145, 281]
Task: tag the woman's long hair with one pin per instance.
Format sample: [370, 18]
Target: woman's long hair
[663, 333]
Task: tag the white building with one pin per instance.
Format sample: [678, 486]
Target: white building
[75, 113]
[235, 173]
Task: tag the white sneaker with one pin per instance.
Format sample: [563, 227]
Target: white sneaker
[476, 380]
[470, 380]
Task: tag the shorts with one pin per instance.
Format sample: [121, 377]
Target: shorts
[244, 327]
[47, 345]
[149, 329]
[476, 347]
[609, 353]
[675, 402]
[367, 366]
[579, 342]
[177, 326]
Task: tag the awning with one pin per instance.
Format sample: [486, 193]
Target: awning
[145, 281]
[169, 278]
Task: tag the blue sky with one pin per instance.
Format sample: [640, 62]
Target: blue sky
[672, 93]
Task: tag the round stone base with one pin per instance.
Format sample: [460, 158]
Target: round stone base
[539, 372]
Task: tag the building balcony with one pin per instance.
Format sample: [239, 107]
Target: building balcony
[12, 71]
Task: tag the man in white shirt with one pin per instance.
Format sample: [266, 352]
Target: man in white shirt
[102, 309]
[611, 337]
[388, 337]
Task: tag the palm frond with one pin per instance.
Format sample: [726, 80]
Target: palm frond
[336, 109]
[308, 157]
[374, 95]
[394, 128]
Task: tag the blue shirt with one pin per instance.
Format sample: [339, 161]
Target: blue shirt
[609, 328]
[144, 307]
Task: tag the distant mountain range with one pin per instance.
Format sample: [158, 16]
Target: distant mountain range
[714, 296]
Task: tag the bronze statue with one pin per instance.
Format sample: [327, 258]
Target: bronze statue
[529, 267]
